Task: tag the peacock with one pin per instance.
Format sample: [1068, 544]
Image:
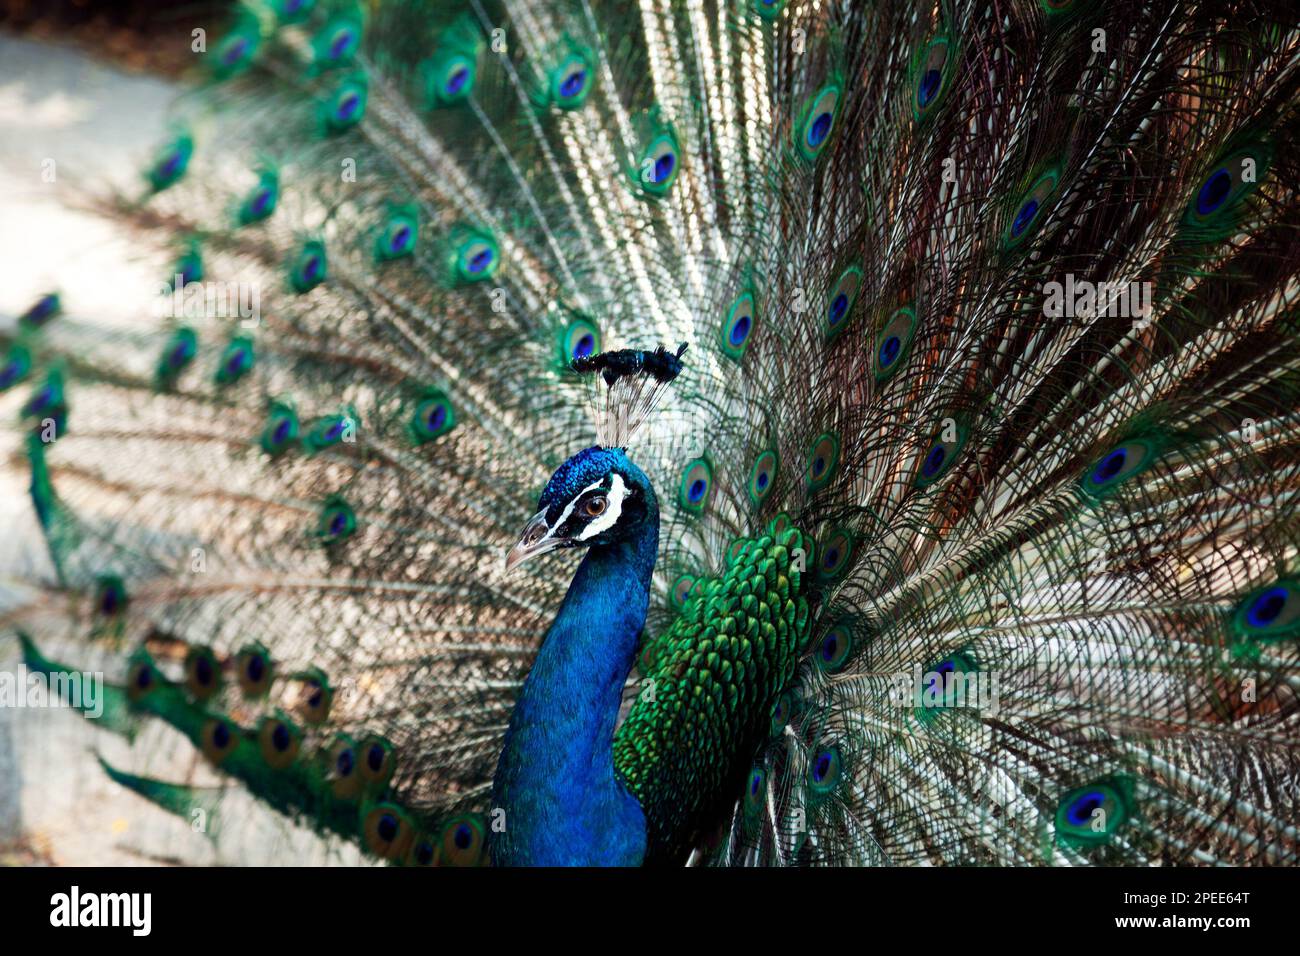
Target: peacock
[695, 432]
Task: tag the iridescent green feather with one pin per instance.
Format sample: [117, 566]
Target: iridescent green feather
[714, 677]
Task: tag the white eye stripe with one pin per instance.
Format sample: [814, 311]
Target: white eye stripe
[617, 492]
[568, 509]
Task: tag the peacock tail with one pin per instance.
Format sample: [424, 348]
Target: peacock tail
[977, 486]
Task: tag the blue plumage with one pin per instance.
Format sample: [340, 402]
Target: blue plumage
[562, 801]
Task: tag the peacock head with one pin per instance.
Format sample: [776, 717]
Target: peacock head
[597, 497]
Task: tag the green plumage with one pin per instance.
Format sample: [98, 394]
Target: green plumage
[708, 685]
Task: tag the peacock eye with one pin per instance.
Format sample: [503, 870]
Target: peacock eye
[595, 507]
[1090, 815]
[1026, 216]
[171, 162]
[237, 48]
[839, 304]
[570, 81]
[818, 121]
[657, 167]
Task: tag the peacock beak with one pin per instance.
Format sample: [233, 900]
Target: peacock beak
[535, 539]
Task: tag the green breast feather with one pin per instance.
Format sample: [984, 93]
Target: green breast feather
[708, 686]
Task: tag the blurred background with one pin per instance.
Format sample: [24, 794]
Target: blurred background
[136, 35]
[84, 86]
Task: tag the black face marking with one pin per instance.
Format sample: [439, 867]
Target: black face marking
[595, 498]
[576, 515]
[599, 513]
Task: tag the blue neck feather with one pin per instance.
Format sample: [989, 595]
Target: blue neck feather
[564, 805]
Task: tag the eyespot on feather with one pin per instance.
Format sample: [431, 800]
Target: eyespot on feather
[255, 670]
[279, 741]
[202, 673]
[387, 831]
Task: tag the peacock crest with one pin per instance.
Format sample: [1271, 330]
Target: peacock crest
[633, 381]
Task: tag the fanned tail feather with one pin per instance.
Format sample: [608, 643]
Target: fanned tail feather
[994, 305]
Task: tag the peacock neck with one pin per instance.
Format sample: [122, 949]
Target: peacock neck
[555, 780]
